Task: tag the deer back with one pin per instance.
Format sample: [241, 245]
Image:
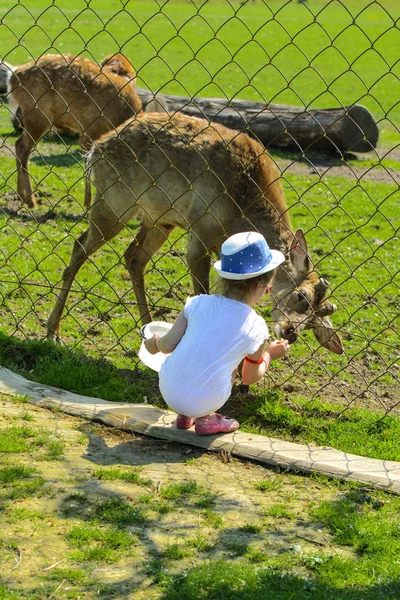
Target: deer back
[74, 93]
[199, 176]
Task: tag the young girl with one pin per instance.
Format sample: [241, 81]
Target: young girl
[214, 333]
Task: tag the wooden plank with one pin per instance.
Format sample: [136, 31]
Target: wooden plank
[155, 422]
[287, 455]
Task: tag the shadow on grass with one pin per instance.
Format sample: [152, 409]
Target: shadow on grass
[16, 210]
[57, 365]
[269, 586]
[222, 580]
[69, 159]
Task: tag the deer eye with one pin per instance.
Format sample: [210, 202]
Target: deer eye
[302, 295]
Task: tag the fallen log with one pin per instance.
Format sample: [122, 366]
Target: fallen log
[275, 125]
[340, 130]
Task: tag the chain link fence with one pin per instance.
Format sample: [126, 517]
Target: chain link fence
[315, 83]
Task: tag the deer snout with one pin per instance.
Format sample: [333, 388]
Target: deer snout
[286, 330]
[289, 334]
[326, 309]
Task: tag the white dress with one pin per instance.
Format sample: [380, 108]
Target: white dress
[195, 379]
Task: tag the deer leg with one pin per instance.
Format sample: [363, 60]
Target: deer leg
[146, 244]
[86, 144]
[35, 126]
[98, 233]
[199, 261]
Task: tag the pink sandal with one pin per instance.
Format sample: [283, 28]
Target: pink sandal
[184, 422]
[216, 424]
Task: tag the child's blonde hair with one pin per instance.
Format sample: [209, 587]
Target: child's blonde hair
[242, 287]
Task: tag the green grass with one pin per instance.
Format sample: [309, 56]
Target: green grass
[318, 54]
[268, 484]
[12, 474]
[71, 369]
[324, 54]
[115, 473]
[21, 438]
[240, 582]
[77, 576]
[180, 490]
[175, 552]
[17, 514]
[18, 482]
[100, 545]
[213, 519]
[279, 511]
[200, 543]
[357, 431]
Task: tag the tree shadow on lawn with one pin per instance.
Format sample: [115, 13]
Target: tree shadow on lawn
[228, 579]
[92, 503]
[224, 581]
[134, 508]
[96, 506]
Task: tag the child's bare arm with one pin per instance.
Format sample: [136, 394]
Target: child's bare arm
[168, 342]
[253, 370]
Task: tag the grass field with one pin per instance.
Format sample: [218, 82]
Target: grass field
[317, 54]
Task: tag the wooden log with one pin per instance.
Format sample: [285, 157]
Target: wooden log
[279, 126]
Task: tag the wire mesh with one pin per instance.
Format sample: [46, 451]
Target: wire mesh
[312, 83]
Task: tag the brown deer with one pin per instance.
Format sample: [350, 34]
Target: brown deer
[69, 93]
[181, 171]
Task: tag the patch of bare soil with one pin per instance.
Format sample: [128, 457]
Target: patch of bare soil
[360, 385]
[227, 516]
[329, 165]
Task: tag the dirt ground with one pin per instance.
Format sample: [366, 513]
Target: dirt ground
[233, 515]
[331, 165]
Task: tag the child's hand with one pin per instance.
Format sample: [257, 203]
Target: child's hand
[278, 348]
[151, 344]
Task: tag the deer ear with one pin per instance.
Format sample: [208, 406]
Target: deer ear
[327, 336]
[298, 251]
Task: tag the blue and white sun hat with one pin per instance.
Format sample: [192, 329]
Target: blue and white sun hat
[246, 255]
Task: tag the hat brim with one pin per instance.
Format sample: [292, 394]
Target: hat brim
[277, 259]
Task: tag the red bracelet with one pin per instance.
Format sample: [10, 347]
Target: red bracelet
[255, 362]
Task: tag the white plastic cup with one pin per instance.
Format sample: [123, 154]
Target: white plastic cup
[154, 361]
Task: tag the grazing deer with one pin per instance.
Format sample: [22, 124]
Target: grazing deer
[71, 93]
[181, 171]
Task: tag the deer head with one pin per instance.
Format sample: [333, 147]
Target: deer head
[118, 64]
[299, 299]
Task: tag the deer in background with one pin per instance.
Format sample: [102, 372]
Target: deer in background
[181, 171]
[71, 93]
